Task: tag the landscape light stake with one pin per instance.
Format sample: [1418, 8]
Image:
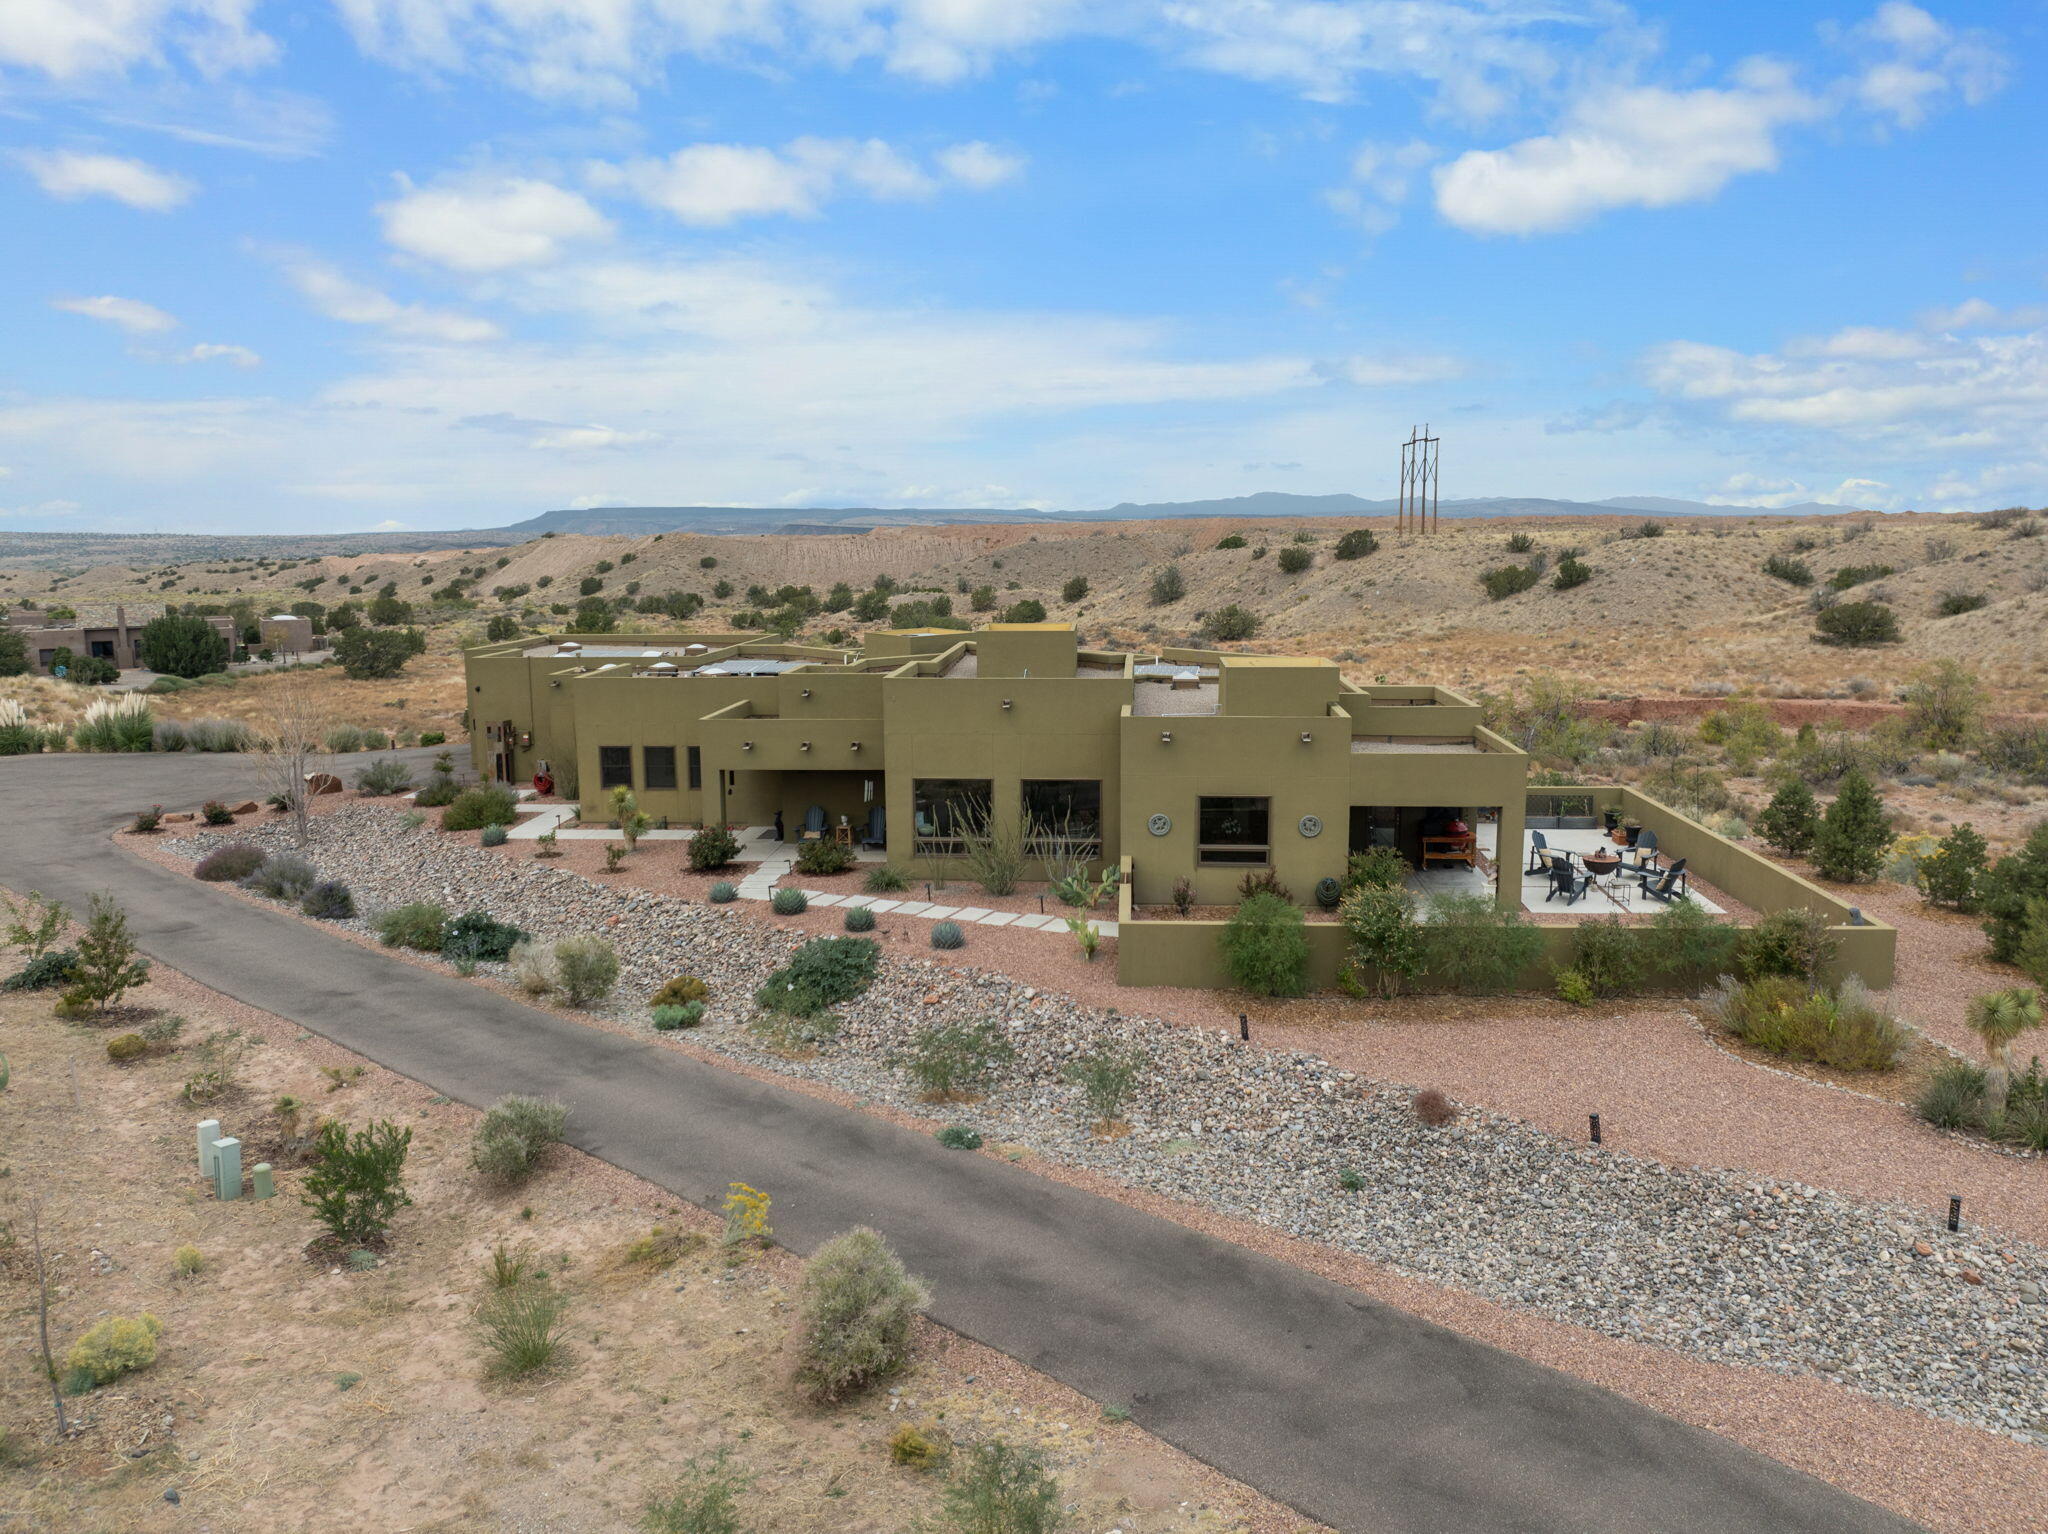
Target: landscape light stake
[1955, 1211]
[1593, 1121]
[1244, 1028]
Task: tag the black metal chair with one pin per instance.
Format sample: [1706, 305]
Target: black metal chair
[1669, 885]
[1570, 882]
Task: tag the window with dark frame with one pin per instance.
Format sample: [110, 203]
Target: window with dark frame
[658, 766]
[1069, 808]
[1234, 829]
[696, 767]
[614, 766]
[942, 809]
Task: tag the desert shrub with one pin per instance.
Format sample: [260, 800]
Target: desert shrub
[1571, 571]
[187, 1261]
[385, 776]
[1850, 844]
[885, 879]
[1690, 943]
[1794, 572]
[1793, 942]
[329, 900]
[1953, 604]
[439, 790]
[148, 820]
[1945, 706]
[956, 1061]
[1857, 575]
[1355, 544]
[1433, 1108]
[947, 935]
[2008, 891]
[671, 1017]
[1075, 589]
[855, 1313]
[1949, 875]
[2017, 750]
[495, 836]
[789, 901]
[217, 1061]
[1846, 1029]
[116, 1346]
[1263, 881]
[514, 1134]
[1168, 585]
[859, 918]
[1611, 958]
[723, 892]
[1790, 820]
[479, 805]
[1474, 946]
[1294, 559]
[1385, 940]
[1504, 581]
[824, 858]
[1265, 946]
[1953, 1096]
[823, 973]
[1574, 988]
[1745, 730]
[1692, 788]
[477, 937]
[344, 739]
[1231, 624]
[232, 863]
[356, 1183]
[959, 1137]
[1183, 896]
[680, 990]
[202, 735]
[124, 1047]
[419, 925]
[286, 876]
[1000, 1488]
[1375, 868]
[46, 971]
[1857, 625]
[521, 1326]
[703, 1500]
[214, 813]
[533, 969]
[433, 737]
[713, 847]
[122, 723]
[586, 969]
[1107, 1076]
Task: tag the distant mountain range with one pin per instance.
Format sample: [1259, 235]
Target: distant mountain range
[66, 549]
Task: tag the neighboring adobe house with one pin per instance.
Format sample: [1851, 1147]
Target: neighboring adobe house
[1185, 769]
[114, 640]
[288, 634]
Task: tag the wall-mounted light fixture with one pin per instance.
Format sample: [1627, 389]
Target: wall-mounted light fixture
[803, 745]
[853, 745]
[746, 745]
[1006, 703]
[806, 692]
[1166, 737]
[1306, 738]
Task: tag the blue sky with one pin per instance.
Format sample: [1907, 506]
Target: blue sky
[442, 263]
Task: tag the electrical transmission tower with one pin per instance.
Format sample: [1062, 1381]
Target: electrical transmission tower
[1418, 513]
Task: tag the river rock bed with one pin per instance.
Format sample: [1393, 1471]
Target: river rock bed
[1731, 1268]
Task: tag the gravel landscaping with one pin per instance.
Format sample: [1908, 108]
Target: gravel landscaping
[1732, 1269]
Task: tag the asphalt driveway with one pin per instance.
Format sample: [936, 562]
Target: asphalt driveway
[1355, 1413]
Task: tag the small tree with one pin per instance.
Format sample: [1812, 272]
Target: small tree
[181, 644]
[855, 1315]
[1857, 625]
[1999, 1017]
[106, 968]
[2032, 957]
[1948, 876]
[633, 821]
[292, 749]
[1356, 544]
[1384, 936]
[1850, 845]
[1265, 947]
[1000, 1488]
[34, 924]
[1168, 585]
[1294, 559]
[957, 1061]
[1232, 624]
[356, 1183]
[1075, 589]
[2005, 893]
[982, 599]
[1789, 821]
[501, 628]
[13, 652]
[369, 654]
[1945, 706]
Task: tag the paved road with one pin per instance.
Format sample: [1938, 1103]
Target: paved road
[1356, 1414]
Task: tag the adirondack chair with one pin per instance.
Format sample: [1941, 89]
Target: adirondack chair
[814, 824]
[1667, 886]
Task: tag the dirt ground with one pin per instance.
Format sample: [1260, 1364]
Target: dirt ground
[290, 1394]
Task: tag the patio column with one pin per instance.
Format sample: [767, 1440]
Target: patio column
[1508, 852]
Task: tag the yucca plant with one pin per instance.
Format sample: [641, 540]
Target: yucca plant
[1999, 1017]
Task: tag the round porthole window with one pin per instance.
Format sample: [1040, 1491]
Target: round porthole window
[1311, 825]
[1159, 825]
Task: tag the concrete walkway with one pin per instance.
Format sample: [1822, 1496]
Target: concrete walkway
[1357, 1414]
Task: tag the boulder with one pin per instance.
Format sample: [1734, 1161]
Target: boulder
[322, 783]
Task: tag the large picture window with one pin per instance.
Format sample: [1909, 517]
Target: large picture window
[614, 766]
[944, 809]
[1234, 829]
[1065, 814]
[658, 766]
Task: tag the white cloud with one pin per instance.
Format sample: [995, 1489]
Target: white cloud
[340, 297]
[1767, 493]
[1911, 63]
[69, 40]
[489, 224]
[585, 438]
[711, 185]
[1872, 342]
[980, 165]
[1641, 147]
[1381, 176]
[217, 351]
[131, 314]
[70, 175]
[1394, 369]
[388, 526]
